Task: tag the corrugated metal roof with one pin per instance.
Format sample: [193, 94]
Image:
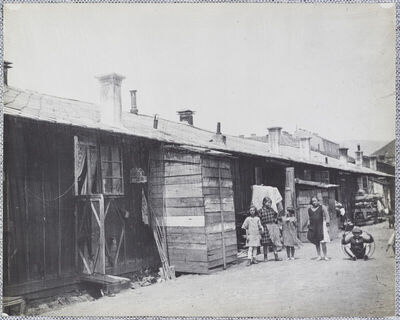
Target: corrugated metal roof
[37, 106]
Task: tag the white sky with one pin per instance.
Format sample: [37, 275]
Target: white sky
[329, 68]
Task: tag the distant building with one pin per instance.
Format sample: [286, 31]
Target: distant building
[386, 155]
[320, 144]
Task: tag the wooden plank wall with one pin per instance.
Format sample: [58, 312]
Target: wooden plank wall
[176, 193]
[39, 215]
[138, 249]
[39, 210]
[218, 206]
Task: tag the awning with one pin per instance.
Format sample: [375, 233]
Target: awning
[315, 184]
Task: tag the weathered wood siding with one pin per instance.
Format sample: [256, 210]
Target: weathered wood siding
[39, 233]
[176, 194]
[185, 189]
[219, 210]
[39, 207]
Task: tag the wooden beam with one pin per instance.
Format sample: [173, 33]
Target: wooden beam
[290, 188]
[222, 216]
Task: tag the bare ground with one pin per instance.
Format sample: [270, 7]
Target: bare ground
[301, 288]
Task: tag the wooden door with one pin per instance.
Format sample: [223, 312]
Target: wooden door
[303, 204]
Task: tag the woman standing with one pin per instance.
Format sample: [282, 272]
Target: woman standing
[271, 236]
[318, 225]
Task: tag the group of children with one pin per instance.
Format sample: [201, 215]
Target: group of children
[264, 227]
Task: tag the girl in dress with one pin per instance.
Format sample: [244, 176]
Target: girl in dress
[254, 229]
[271, 237]
[318, 225]
[289, 233]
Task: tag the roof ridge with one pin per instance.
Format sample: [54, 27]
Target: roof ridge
[29, 91]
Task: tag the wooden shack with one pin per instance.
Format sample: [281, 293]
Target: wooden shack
[191, 189]
[71, 209]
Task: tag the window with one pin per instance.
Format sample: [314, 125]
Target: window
[86, 173]
[111, 170]
[365, 183]
[98, 169]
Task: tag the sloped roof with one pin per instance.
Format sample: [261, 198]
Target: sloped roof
[41, 107]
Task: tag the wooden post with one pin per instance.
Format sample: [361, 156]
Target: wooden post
[102, 240]
[222, 215]
[290, 191]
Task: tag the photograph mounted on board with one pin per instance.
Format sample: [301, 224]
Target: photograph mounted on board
[213, 160]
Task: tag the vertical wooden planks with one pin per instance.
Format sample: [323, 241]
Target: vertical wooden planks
[290, 188]
[219, 211]
[177, 191]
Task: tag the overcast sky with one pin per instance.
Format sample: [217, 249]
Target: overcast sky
[326, 68]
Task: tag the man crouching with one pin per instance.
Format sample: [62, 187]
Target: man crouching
[359, 246]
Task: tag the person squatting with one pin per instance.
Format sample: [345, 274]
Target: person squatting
[359, 245]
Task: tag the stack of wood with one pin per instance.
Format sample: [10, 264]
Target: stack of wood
[365, 208]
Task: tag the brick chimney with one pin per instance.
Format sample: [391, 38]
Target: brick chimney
[343, 156]
[359, 156]
[373, 162]
[274, 139]
[110, 99]
[305, 147]
[186, 116]
[134, 108]
[6, 66]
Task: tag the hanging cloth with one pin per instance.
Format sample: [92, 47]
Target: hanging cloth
[260, 192]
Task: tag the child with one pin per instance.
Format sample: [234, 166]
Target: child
[289, 233]
[253, 228]
[359, 245]
[272, 234]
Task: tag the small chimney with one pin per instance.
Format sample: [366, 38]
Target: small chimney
[305, 147]
[343, 156]
[373, 163]
[186, 116]
[134, 108]
[155, 121]
[218, 127]
[6, 66]
[359, 156]
[110, 99]
[274, 139]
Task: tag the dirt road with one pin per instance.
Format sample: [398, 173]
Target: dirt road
[301, 288]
